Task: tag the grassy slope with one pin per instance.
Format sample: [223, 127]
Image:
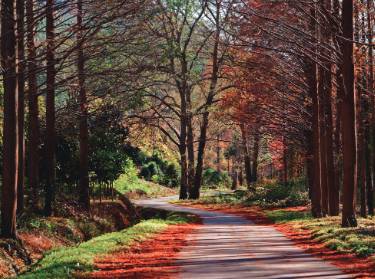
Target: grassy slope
[360, 240]
[63, 262]
[134, 186]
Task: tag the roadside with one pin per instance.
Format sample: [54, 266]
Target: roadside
[80, 261]
[70, 226]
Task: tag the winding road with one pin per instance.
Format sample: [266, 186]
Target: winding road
[228, 246]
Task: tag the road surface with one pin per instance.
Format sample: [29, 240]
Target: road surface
[230, 246]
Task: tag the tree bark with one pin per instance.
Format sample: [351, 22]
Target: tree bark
[200, 157]
[348, 119]
[20, 7]
[10, 125]
[316, 199]
[218, 154]
[322, 141]
[254, 176]
[190, 148]
[50, 110]
[370, 187]
[84, 188]
[33, 120]
[247, 160]
[330, 205]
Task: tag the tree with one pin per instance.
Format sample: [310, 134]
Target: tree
[33, 116]
[10, 126]
[20, 11]
[84, 196]
[348, 119]
[50, 109]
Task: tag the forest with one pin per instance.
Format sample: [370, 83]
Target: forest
[264, 109]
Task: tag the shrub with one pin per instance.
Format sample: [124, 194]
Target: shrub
[274, 194]
[212, 177]
[149, 170]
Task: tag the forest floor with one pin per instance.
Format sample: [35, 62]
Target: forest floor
[350, 249]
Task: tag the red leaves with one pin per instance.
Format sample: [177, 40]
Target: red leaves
[151, 259]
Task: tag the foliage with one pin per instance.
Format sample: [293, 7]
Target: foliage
[160, 171]
[212, 177]
[106, 144]
[135, 187]
[275, 194]
[64, 262]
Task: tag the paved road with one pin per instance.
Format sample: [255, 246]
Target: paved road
[229, 246]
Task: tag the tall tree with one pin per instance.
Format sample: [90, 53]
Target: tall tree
[10, 126]
[50, 140]
[371, 88]
[20, 10]
[348, 118]
[32, 94]
[84, 195]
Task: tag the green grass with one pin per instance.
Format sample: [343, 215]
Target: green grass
[63, 262]
[283, 216]
[126, 185]
[237, 197]
[360, 240]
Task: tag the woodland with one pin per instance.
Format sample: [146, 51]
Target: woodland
[99, 97]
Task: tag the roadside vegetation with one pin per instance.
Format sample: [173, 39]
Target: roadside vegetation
[359, 240]
[267, 194]
[66, 262]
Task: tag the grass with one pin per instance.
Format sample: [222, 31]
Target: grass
[126, 185]
[360, 240]
[64, 262]
[284, 216]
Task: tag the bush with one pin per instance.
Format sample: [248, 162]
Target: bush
[160, 171]
[212, 177]
[149, 170]
[275, 194]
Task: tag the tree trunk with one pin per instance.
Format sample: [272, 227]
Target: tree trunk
[331, 205]
[218, 154]
[247, 160]
[234, 180]
[370, 187]
[182, 144]
[190, 149]
[348, 119]
[84, 187]
[33, 120]
[200, 157]
[312, 71]
[285, 162]
[50, 110]
[20, 6]
[10, 125]
[322, 140]
[310, 163]
[254, 176]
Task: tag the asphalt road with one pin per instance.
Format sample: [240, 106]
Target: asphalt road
[229, 246]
